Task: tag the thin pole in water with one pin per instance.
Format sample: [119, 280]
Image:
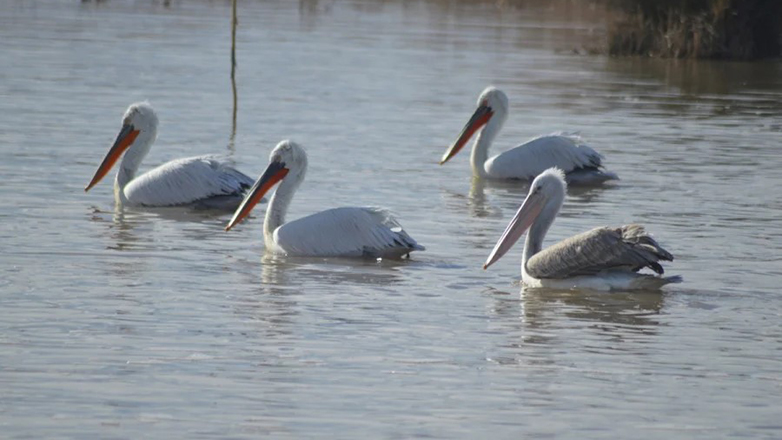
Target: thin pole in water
[234, 22]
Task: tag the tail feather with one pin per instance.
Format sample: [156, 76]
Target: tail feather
[386, 217]
[636, 234]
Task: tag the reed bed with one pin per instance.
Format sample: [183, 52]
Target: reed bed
[728, 29]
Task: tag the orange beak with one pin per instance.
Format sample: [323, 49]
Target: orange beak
[478, 119]
[275, 172]
[124, 140]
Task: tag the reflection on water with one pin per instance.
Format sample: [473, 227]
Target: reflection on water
[541, 322]
[131, 228]
[540, 308]
[624, 309]
[476, 200]
[274, 272]
[124, 230]
[704, 77]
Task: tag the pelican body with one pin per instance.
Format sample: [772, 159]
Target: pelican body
[201, 181]
[567, 151]
[341, 232]
[603, 259]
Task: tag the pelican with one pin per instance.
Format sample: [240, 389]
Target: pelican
[603, 259]
[340, 232]
[201, 181]
[567, 151]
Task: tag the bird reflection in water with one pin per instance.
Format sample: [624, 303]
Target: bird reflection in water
[633, 311]
[295, 272]
[120, 231]
[476, 200]
[273, 304]
[534, 322]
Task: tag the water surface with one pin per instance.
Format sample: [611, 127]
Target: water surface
[120, 324]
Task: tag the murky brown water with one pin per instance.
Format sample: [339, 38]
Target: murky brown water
[158, 324]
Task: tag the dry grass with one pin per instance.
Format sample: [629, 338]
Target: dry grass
[735, 29]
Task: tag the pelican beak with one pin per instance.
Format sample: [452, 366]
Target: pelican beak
[478, 119]
[124, 140]
[523, 219]
[275, 172]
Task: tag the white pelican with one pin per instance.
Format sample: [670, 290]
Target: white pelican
[603, 258]
[339, 232]
[582, 165]
[202, 181]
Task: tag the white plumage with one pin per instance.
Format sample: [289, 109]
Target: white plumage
[603, 258]
[340, 232]
[566, 151]
[201, 181]
[345, 232]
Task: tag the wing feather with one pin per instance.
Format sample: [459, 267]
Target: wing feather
[346, 232]
[628, 248]
[566, 151]
[186, 181]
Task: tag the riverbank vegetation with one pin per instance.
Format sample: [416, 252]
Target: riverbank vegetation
[730, 29]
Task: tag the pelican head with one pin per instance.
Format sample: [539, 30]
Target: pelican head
[139, 127]
[287, 161]
[492, 111]
[545, 197]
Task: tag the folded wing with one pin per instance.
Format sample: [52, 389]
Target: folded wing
[346, 232]
[566, 151]
[186, 181]
[627, 248]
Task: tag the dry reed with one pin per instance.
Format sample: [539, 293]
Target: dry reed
[734, 29]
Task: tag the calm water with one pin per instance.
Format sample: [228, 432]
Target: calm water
[158, 324]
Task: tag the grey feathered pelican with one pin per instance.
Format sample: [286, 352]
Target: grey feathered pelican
[604, 258]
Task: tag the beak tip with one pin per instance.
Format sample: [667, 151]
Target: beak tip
[485, 266]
